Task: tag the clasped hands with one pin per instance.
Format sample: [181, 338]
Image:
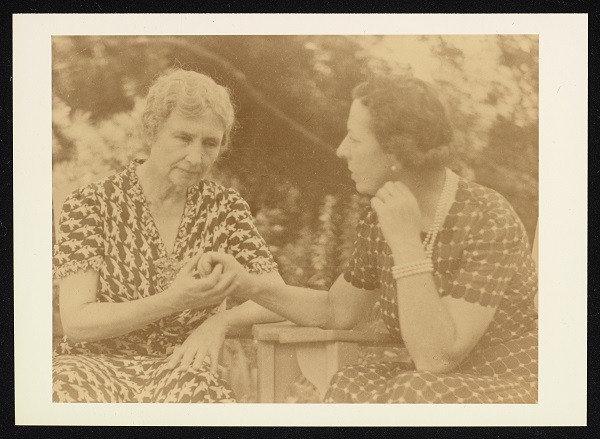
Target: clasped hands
[207, 279]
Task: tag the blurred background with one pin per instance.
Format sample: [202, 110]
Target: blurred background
[293, 95]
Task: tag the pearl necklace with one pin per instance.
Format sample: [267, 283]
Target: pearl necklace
[450, 181]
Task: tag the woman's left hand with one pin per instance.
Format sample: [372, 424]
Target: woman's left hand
[204, 341]
[398, 212]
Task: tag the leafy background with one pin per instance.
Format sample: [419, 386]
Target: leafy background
[292, 95]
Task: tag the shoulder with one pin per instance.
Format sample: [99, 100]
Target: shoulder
[100, 189]
[485, 211]
[84, 196]
[481, 199]
[224, 197]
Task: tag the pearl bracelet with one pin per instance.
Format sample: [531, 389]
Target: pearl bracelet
[410, 269]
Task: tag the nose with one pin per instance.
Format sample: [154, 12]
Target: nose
[341, 151]
[194, 155]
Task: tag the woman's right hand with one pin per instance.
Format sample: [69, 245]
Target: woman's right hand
[242, 283]
[188, 291]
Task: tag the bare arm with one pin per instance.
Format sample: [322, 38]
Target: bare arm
[341, 307]
[206, 340]
[85, 319]
[249, 312]
[438, 332]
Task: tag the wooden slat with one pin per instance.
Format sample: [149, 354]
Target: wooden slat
[308, 335]
[270, 331]
[286, 333]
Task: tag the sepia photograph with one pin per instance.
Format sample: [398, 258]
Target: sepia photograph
[313, 219]
[169, 207]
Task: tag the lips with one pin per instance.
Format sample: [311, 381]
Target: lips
[189, 172]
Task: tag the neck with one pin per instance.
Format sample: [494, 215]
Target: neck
[155, 190]
[426, 185]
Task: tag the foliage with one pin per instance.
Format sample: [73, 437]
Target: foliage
[287, 89]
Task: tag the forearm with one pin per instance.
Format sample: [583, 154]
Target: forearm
[302, 306]
[427, 327]
[247, 314]
[100, 320]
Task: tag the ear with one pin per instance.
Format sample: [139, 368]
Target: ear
[394, 164]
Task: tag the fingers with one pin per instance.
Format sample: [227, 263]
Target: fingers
[205, 265]
[211, 259]
[211, 280]
[393, 188]
[175, 357]
[189, 356]
[376, 203]
[201, 356]
[208, 262]
[389, 189]
[225, 281]
[215, 293]
[198, 360]
[193, 358]
[214, 360]
[192, 263]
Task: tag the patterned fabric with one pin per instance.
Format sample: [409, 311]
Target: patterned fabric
[108, 227]
[482, 256]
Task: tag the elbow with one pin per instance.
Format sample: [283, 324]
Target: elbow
[75, 332]
[74, 335]
[439, 363]
[339, 322]
[313, 321]
[326, 322]
[342, 316]
[435, 367]
[344, 324]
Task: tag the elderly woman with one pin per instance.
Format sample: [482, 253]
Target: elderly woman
[448, 260]
[132, 303]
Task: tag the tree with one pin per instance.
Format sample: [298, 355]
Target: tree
[293, 94]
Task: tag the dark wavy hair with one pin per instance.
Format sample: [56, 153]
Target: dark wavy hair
[408, 119]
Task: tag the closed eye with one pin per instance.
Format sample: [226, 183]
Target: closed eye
[183, 137]
[212, 143]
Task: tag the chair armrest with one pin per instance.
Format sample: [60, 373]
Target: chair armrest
[287, 332]
[286, 350]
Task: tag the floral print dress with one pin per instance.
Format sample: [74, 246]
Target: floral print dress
[107, 226]
[482, 256]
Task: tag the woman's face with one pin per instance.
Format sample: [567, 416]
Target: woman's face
[185, 148]
[369, 164]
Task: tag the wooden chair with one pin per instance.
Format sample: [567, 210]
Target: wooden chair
[285, 351]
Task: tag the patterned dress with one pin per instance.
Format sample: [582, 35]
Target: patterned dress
[107, 226]
[482, 256]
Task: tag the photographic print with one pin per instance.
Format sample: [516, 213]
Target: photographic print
[333, 220]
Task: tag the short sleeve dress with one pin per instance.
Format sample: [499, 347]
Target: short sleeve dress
[107, 226]
[482, 255]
